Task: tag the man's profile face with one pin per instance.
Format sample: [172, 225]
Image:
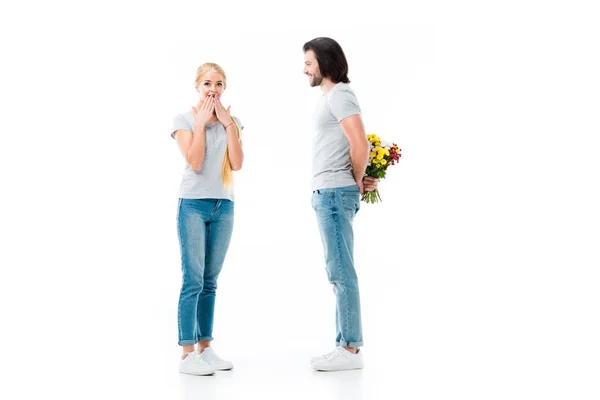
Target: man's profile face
[311, 69]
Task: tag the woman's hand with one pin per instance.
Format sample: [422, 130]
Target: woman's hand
[222, 113]
[203, 114]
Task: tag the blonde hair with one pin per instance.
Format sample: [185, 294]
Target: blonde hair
[226, 171]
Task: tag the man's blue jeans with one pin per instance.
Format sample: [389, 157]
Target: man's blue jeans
[204, 227]
[335, 209]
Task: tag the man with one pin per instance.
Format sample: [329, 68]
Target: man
[340, 158]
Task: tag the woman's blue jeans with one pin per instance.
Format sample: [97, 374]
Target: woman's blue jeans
[204, 227]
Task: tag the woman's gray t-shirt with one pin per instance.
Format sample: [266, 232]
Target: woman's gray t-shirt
[208, 182]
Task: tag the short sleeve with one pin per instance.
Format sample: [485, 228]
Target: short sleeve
[342, 104]
[180, 122]
[239, 123]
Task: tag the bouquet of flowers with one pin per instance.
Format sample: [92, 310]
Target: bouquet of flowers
[382, 156]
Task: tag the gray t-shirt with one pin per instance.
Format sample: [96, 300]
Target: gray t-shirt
[332, 166]
[208, 182]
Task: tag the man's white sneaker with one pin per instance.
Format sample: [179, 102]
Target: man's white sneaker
[215, 361]
[339, 360]
[324, 356]
[194, 365]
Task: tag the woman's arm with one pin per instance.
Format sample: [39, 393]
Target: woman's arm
[234, 145]
[234, 148]
[192, 146]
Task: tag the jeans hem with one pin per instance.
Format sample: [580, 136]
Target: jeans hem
[187, 342]
[349, 344]
[205, 339]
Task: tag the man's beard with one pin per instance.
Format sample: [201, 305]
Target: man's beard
[316, 81]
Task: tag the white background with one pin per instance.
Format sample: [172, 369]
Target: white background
[479, 271]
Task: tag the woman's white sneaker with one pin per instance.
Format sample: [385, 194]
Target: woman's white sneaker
[214, 360]
[194, 365]
[339, 360]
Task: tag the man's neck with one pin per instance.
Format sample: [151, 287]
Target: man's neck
[327, 85]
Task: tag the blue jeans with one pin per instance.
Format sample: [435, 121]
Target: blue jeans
[335, 210]
[204, 227]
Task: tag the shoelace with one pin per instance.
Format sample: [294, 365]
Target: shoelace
[195, 357]
[334, 353]
[328, 354]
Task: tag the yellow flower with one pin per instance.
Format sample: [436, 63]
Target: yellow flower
[383, 162]
[373, 154]
[373, 138]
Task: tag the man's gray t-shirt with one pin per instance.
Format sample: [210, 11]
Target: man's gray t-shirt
[208, 182]
[332, 166]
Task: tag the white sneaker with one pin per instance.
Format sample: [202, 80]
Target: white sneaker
[215, 361]
[194, 365]
[324, 356]
[339, 360]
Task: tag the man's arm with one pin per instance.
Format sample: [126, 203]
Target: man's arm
[354, 130]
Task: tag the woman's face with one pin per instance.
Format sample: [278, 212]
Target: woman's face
[212, 84]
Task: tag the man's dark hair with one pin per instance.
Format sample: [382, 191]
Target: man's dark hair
[331, 59]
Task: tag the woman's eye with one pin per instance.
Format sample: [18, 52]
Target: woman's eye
[206, 83]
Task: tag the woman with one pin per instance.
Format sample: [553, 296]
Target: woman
[209, 140]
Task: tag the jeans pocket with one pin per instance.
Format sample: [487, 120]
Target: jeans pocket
[178, 209]
[351, 203]
[323, 200]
